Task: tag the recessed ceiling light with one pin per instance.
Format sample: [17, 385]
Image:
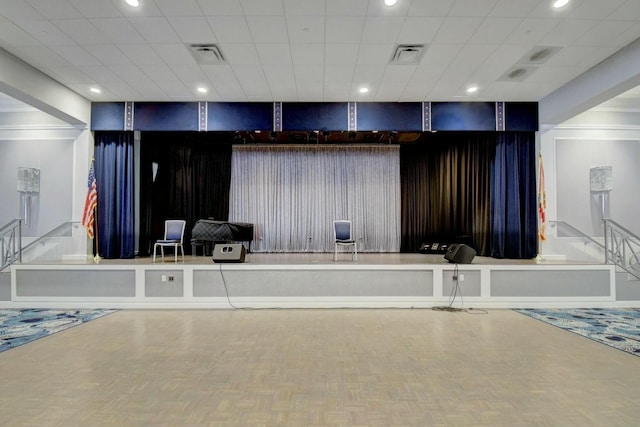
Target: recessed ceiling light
[560, 3]
[202, 89]
[133, 3]
[390, 2]
[364, 90]
[472, 89]
[95, 90]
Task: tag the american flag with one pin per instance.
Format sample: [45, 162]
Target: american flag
[90, 204]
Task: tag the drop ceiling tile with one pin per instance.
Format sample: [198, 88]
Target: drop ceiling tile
[280, 78]
[630, 10]
[605, 34]
[81, 31]
[179, 8]
[274, 54]
[309, 74]
[252, 81]
[141, 54]
[225, 82]
[307, 54]
[531, 31]
[262, 7]
[441, 54]
[109, 54]
[368, 74]
[40, 56]
[569, 31]
[419, 29]
[378, 8]
[118, 30]
[344, 29]
[167, 81]
[12, 35]
[473, 55]
[388, 92]
[268, 29]
[192, 29]
[472, 7]
[347, 7]
[457, 29]
[513, 8]
[96, 8]
[335, 54]
[305, 29]
[20, 11]
[596, 9]
[338, 74]
[382, 29]
[495, 30]
[45, 32]
[59, 9]
[304, 7]
[506, 54]
[375, 54]
[241, 54]
[71, 75]
[101, 74]
[221, 7]
[190, 75]
[76, 55]
[231, 29]
[174, 54]
[155, 29]
[431, 8]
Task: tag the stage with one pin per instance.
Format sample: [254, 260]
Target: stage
[314, 280]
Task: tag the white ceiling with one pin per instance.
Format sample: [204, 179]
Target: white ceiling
[313, 50]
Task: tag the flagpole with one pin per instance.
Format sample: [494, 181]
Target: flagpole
[96, 257]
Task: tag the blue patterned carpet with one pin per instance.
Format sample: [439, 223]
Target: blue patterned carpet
[19, 327]
[617, 327]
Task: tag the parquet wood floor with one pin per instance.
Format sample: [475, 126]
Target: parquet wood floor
[340, 367]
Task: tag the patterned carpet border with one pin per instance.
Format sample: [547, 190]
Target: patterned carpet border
[618, 327]
[22, 326]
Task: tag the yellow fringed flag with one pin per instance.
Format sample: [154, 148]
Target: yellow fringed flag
[542, 200]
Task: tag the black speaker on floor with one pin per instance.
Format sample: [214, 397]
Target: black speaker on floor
[228, 252]
[459, 253]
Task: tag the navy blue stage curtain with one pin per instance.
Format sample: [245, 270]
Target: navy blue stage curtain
[513, 197]
[115, 181]
[183, 175]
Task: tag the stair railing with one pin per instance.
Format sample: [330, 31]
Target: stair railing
[11, 243]
[622, 247]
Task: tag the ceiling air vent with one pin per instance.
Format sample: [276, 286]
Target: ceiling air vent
[518, 73]
[407, 54]
[539, 55]
[206, 53]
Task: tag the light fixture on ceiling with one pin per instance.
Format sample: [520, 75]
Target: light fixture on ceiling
[472, 89]
[560, 3]
[133, 3]
[363, 90]
[202, 89]
[95, 90]
[390, 2]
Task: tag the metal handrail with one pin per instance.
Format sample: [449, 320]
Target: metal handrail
[60, 230]
[622, 247]
[578, 233]
[10, 243]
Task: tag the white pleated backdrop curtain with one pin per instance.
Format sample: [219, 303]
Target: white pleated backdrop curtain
[292, 195]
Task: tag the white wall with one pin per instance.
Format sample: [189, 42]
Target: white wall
[53, 205]
[570, 150]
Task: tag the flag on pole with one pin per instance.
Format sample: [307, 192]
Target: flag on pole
[542, 200]
[88, 217]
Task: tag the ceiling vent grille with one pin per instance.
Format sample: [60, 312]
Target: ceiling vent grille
[518, 73]
[539, 55]
[206, 53]
[407, 54]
